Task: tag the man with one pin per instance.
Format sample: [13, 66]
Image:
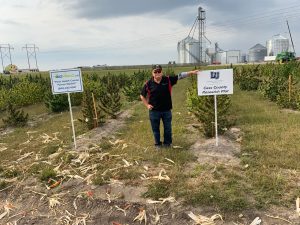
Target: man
[156, 96]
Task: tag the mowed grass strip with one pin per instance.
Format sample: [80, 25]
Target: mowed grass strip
[270, 148]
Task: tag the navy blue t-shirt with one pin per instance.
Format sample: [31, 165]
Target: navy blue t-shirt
[159, 95]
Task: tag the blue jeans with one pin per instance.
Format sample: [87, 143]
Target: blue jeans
[166, 117]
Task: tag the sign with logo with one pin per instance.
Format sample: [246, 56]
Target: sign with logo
[215, 82]
[66, 81]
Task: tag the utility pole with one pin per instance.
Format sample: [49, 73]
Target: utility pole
[5, 53]
[201, 22]
[287, 22]
[31, 52]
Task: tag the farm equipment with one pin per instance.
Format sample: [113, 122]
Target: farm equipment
[285, 57]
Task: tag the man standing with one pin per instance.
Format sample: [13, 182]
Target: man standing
[156, 96]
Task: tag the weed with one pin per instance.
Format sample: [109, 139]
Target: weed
[3, 185]
[129, 174]
[47, 173]
[37, 168]
[10, 173]
[50, 149]
[156, 190]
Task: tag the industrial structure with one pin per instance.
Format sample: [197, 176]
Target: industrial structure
[188, 50]
[277, 44]
[193, 51]
[257, 53]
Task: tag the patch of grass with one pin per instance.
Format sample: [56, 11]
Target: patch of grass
[226, 199]
[267, 188]
[10, 173]
[49, 150]
[67, 157]
[47, 173]
[197, 170]
[158, 189]
[105, 145]
[130, 173]
[37, 168]
[270, 145]
[3, 184]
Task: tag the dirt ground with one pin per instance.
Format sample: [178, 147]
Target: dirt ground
[76, 201]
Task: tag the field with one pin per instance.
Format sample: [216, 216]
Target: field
[116, 176]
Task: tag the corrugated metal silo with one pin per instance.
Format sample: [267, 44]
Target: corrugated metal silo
[221, 57]
[188, 50]
[269, 45]
[280, 44]
[257, 53]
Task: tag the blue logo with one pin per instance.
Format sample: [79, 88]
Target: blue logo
[214, 75]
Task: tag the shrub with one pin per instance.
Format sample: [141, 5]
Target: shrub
[203, 108]
[16, 118]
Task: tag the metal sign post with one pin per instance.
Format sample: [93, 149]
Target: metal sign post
[216, 120]
[72, 121]
[215, 82]
[67, 81]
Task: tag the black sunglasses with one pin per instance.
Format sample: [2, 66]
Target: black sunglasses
[157, 71]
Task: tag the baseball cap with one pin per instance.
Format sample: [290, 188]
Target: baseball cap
[157, 67]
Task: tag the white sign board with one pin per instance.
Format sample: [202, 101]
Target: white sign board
[66, 81]
[215, 82]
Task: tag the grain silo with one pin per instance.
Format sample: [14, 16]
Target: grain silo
[188, 50]
[221, 57]
[279, 44]
[257, 53]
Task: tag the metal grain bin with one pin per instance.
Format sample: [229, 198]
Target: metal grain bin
[188, 50]
[257, 53]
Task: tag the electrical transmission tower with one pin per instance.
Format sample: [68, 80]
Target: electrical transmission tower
[5, 53]
[31, 53]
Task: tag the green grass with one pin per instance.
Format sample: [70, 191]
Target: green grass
[270, 146]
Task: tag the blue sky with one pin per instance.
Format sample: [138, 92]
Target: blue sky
[72, 33]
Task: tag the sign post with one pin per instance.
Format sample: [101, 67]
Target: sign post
[67, 81]
[215, 82]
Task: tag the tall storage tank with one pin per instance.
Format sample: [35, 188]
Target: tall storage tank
[257, 53]
[188, 50]
[269, 45]
[280, 44]
[221, 57]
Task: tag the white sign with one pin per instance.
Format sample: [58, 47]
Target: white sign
[66, 81]
[215, 82]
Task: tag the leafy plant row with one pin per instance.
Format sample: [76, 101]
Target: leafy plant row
[277, 82]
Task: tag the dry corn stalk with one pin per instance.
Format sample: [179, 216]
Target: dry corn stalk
[24, 156]
[141, 216]
[170, 160]
[127, 164]
[53, 202]
[162, 177]
[256, 221]
[298, 206]
[161, 200]
[3, 149]
[203, 220]
[116, 142]
[124, 146]
[7, 208]
[120, 209]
